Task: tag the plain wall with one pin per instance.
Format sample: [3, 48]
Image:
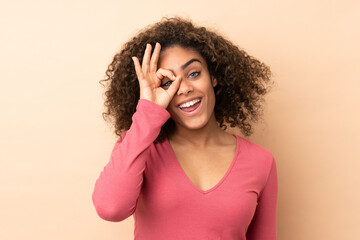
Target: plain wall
[54, 142]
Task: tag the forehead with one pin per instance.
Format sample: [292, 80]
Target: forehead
[175, 56]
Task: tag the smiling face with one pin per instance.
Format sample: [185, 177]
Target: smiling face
[196, 82]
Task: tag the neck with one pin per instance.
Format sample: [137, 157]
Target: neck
[199, 138]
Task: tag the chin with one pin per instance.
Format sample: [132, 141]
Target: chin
[193, 124]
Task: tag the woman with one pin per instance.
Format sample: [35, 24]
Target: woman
[174, 166]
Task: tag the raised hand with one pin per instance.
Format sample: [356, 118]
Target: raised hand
[150, 78]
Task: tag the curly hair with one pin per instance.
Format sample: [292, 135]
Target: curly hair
[242, 79]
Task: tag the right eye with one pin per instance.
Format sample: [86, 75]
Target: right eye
[165, 84]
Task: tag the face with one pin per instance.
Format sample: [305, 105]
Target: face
[196, 82]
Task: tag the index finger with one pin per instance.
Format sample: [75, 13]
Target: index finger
[155, 58]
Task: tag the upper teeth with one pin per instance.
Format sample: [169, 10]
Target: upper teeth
[190, 103]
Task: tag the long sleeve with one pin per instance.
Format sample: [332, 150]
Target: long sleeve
[118, 187]
[263, 225]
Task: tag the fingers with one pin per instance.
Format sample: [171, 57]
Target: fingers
[155, 58]
[161, 73]
[148, 69]
[146, 59]
[138, 71]
[173, 88]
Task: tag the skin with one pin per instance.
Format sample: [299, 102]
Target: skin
[200, 131]
[202, 148]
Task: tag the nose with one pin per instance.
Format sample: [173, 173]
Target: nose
[185, 87]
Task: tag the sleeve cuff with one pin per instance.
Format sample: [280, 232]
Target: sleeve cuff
[149, 106]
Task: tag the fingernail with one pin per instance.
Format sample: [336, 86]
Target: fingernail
[173, 77]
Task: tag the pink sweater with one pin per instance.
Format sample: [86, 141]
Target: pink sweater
[145, 180]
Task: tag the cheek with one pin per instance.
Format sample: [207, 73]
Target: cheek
[171, 104]
[210, 91]
[171, 108]
[212, 98]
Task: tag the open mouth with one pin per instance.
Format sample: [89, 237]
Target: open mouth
[192, 109]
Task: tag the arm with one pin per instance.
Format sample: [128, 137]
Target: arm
[118, 186]
[263, 224]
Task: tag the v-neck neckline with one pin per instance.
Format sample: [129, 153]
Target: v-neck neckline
[179, 168]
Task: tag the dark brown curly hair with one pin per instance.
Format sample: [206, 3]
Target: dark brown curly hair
[242, 79]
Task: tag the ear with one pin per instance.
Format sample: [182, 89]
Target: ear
[213, 81]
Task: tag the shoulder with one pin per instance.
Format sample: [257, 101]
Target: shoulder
[257, 154]
[255, 149]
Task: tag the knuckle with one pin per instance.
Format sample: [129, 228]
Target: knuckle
[159, 75]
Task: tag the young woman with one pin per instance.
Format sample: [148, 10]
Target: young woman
[174, 167]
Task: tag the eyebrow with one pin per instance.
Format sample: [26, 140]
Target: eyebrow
[188, 63]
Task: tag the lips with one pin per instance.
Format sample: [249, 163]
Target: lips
[193, 110]
[188, 100]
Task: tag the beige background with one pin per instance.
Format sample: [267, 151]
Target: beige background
[54, 142]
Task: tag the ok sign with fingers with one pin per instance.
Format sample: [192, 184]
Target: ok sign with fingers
[150, 77]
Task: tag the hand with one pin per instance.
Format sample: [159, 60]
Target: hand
[150, 78]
